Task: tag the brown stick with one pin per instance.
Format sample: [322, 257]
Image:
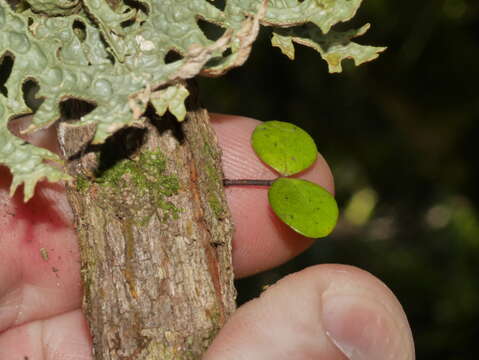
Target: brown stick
[156, 269]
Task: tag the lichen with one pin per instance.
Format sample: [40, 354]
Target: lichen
[115, 57]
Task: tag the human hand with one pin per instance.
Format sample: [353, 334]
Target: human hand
[332, 312]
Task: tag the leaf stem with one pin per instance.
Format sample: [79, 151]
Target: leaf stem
[247, 182]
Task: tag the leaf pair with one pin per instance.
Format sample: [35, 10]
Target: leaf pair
[306, 207]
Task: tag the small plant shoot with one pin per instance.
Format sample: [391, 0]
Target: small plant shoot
[306, 207]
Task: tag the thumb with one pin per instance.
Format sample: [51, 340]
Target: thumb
[331, 312]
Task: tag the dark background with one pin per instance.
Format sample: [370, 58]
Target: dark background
[400, 135]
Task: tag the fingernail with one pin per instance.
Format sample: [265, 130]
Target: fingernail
[362, 329]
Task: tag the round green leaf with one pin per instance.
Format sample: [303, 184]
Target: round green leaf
[307, 208]
[285, 147]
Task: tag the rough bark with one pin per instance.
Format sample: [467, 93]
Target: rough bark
[155, 239]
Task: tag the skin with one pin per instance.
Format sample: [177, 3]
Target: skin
[326, 312]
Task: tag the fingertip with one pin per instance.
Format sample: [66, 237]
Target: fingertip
[363, 318]
[326, 311]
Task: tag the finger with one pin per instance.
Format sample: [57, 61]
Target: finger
[40, 265]
[332, 312]
[261, 240]
[64, 336]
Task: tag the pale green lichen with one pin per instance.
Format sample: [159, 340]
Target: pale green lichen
[113, 54]
[173, 99]
[334, 46]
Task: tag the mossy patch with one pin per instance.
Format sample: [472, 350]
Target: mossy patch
[82, 183]
[215, 205]
[148, 183]
[213, 179]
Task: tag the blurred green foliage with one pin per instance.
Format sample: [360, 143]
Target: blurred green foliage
[400, 135]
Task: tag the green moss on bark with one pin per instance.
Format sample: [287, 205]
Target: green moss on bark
[144, 176]
[213, 179]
